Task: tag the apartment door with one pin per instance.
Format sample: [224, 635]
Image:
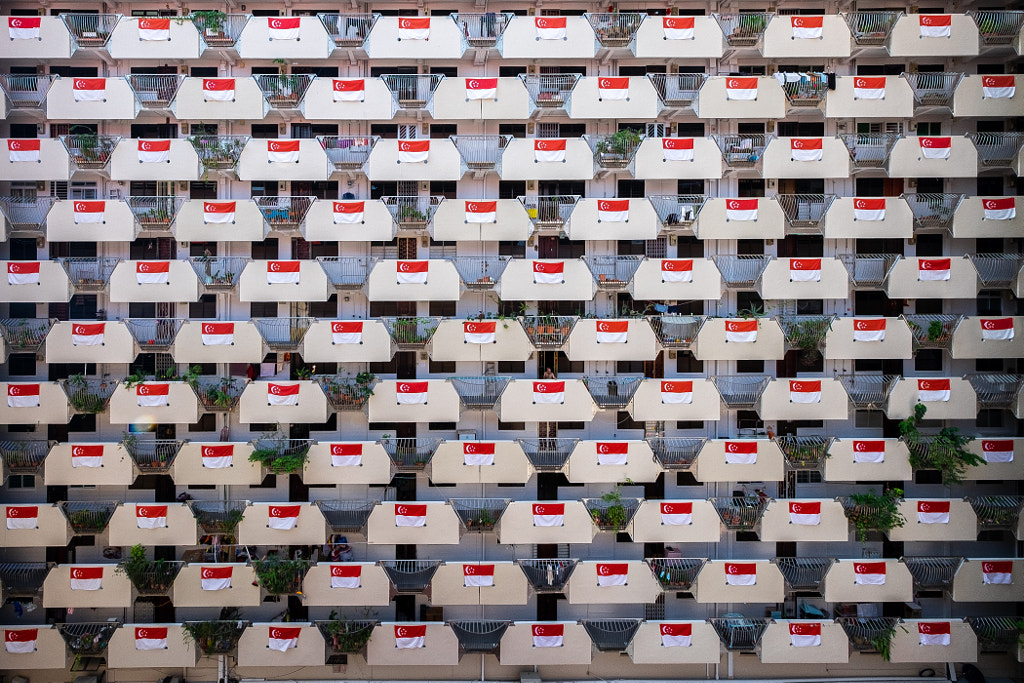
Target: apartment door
[655, 369]
[407, 249]
[547, 247]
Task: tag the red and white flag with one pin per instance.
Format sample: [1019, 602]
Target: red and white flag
[284, 28]
[997, 573]
[481, 212]
[935, 148]
[549, 392]
[803, 634]
[410, 515]
[218, 334]
[805, 513]
[23, 272]
[612, 331]
[218, 212]
[481, 89]
[86, 578]
[612, 453]
[740, 573]
[741, 209]
[411, 393]
[478, 575]
[678, 28]
[283, 394]
[216, 578]
[412, 272]
[804, 391]
[410, 637]
[997, 450]
[933, 269]
[741, 88]
[998, 87]
[1000, 209]
[283, 639]
[349, 213]
[869, 88]
[21, 641]
[22, 517]
[85, 334]
[677, 391]
[154, 29]
[548, 273]
[805, 270]
[741, 331]
[283, 517]
[150, 637]
[677, 514]
[219, 89]
[87, 456]
[550, 28]
[933, 632]
[154, 151]
[740, 452]
[807, 28]
[153, 272]
[612, 210]
[89, 212]
[346, 575]
[805, 149]
[152, 395]
[868, 451]
[869, 209]
[476, 454]
[218, 457]
[151, 516]
[23, 150]
[612, 574]
[283, 272]
[936, 25]
[89, 89]
[933, 390]
[933, 512]
[346, 455]
[549, 514]
[23, 28]
[479, 332]
[616, 88]
[677, 270]
[346, 90]
[413, 151]
[677, 149]
[868, 329]
[346, 332]
[996, 329]
[548, 150]
[676, 635]
[414, 28]
[22, 395]
[869, 573]
[283, 151]
[548, 635]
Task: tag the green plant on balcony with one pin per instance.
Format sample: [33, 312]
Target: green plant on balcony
[480, 520]
[408, 213]
[350, 391]
[220, 395]
[280, 576]
[871, 512]
[613, 514]
[24, 333]
[134, 379]
[618, 146]
[279, 455]
[936, 331]
[946, 451]
[750, 26]
[215, 637]
[346, 637]
[210, 21]
[87, 146]
[217, 152]
[151, 577]
[882, 642]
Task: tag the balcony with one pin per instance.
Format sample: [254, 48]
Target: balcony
[585, 344]
[781, 42]
[777, 521]
[88, 518]
[154, 334]
[444, 39]
[217, 637]
[647, 648]
[776, 645]
[905, 281]
[781, 160]
[518, 526]
[613, 152]
[714, 221]
[344, 393]
[255, 163]
[969, 221]
[182, 162]
[740, 634]
[346, 516]
[283, 334]
[24, 214]
[840, 585]
[442, 527]
[713, 465]
[441, 161]
[906, 39]
[715, 101]
[866, 635]
[348, 221]
[219, 31]
[519, 161]
[23, 579]
[310, 406]
[218, 273]
[219, 153]
[482, 32]
[412, 212]
[933, 331]
[479, 393]
[841, 221]
[440, 404]
[744, 30]
[962, 405]
[908, 160]
[649, 526]
[518, 282]
[410, 455]
[804, 573]
[612, 392]
[218, 517]
[52, 406]
[349, 32]
[969, 584]
[742, 152]
[348, 154]
[52, 40]
[969, 98]
[148, 577]
[996, 634]
[517, 403]
[677, 92]
[968, 341]
[998, 513]
[441, 647]
[479, 637]
[90, 30]
[840, 342]
[588, 464]
[710, 585]
[413, 92]
[115, 466]
[869, 271]
[88, 639]
[521, 40]
[592, 222]
[219, 395]
[998, 391]
[411, 334]
[448, 465]
[344, 637]
[780, 279]
[615, 30]
[741, 513]
[480, 274]
[933, 573]
[90, 152]
[374, 468]
[346, 273]
[589, 101]
[121, 652]
[24, 457]
[548, 455]
[53, 162]
[195, 101]
[153, 457]
[256, 42]
[897, 101]
[871, 29]
[27, 93]
[611, 635]
[741, 391]
[906, 645]
[550, 212]
[550, 93]
[933, 90]
[155, 92]
[997, 150]
[481, 154]
[479, 515]
[712, 343]
[318, 345]
[255, 285]
[50, 528]
[25, 335]
[309, 528]
[191, 467]
[154, 214]
[650, 163]
[127, 405]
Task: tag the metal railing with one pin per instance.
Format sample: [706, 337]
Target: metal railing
[805, 212]
[611, 152]
[218, 272]
[347, 153]
[410, 454]
[219, 152]
[869, 392]
[22, 579]
[741, 271]
[803, 573]
[869, 150]
[90, 152]
[932, 573]
[284, 91]
[675, 453]
[809, 90]
[411, 334]
[869, 634]
[997, 513]
[412, 91]
[997, 634]
[739, 633]
[412, 212]
[677, 91]
[345, 637]
[346, 515]
[89, 274]
[869, 271]
[933, 211]
[479, 393]
[996, 390]
[611, 515]
[88, 638]
[548, 332]
[676, 331]
[997, 150]
[740, 513]
[346, 393]
[1000, 27]
[675, 574]
[550, 211]
[346, 272]
[742, 150]
[741, 391]
[218, 516]
[26, 91]
[89, 517]
[548, 454]
[348, 30]
[480, 273]
[280, 578]
[611, 635]
[26, 214]
[932, 331]
[805, 332]
[481, 30]
[609, 391]
[548, 575]
[479, 636]
[25, 457]
[479, 515]
[410, 576]
[89, 396]
[677, 210]
[805, 452]
[283, 334]
[25, 335]
[615, 29]
[219, 394]
[154, 334]
[933, 88]
[220, 30]
[550, 91]
[481, 153]
[90, 30]
[871, 28]
[217, 637]
[745, 29]
[153, 456]
[155, 213]
[613, 273]
[155, 578]
[284, 213]
[155, 91]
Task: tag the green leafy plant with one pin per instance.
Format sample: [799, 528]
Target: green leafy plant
[82, 398]
[346, 637]
[935, 330]
[280, 576]
[134, 379]
[871, 512]
[279, 455]
[946, 451]
[147, 576]
[218, 636]
[618, 145]
[613, 514]
[347, 391]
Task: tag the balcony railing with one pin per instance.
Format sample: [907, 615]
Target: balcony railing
[742, 271]
[154, 334]
[805, 452]
[614, 152]
[742, 151]
[933, 331]
[481, 30]
[153, 456]
[345, 637]
[933, 211]
[284, 91]
[481, 153]
[548, 454]
[933, 88]
[220, 30]
[26, 92]
[677, 91]
[413, 92]
[412, 212]
[997, 634]
[805, 213]
[871, 29]
[932, 573]
[677, 211]
[22, 579]
[411, 334]
[90, 152]
[219, 395]
[480, 273]
[217, 637]
[283, 334]
[88, 518]
[479, 393]
[741, 391]
[612, 515]
[741, 513]
[155, 91]
[479, 515]
[90, 30]
[25, 335]
[347, 393]
[152, 579]
[410, 576]
[997, 513]
[869, 150]
[743, 30]
[348, 153]
[346, 272]
[284, 213]
[218, 273]
[615, 29]
[611, 391]
[410, 454]
[281, 455]
[675, 453]
[998, 27]
[869, 635]
[25, 457]
[613, 273]
[996, 391]
[26, 214]
[998, 150]
[804, 573]
[218, 516]
[611, 635]
[155, 213]
[550, 211]
[869, 271]
[279, 576]
[550, 92]
[346, 516]
[348, 30]
[676, 331]
[86, 639]
[740, 633]
[805, 332]
[806, 94]
[869, 392]
[219, 152]
[675, 574]
[548, 576]
[548, 332]
[479, 636]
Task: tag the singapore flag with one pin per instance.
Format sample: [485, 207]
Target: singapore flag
[996, 329]
[151, 516]
[933, 390]
[89, 89]
[802, 634]
[869, 573]
[936, 25]
[23, 28]
[549, 392]
[219, 89]
[218, 457]
[807, 28]
[677, 149]
[282, 639]
[87, 456]
[283, 151]
[998, 573]
[547, 273]
[151, 638]
[83, 334]
[740, 573]
[22, 395]
[349, 213]
[612, 574]
[283, 272]
[613, 88]
[412, 272]
[741, 209]
[479, 332]
[548, 151]
[284, 28]
[741, 331]
[998, 450]
[872, 88]
[805, 513]
[478, 575]
[612, 210]
[411, 515]
[346, 332]
[740, 452]
[868, 329]
[410, 637]
[414, 28]
[283, 394]
[411, 393]
[868, 451]
[349, 90]
[547, 635]
[680, 270]
[677, 391]
[148, 395]
[998, 87]
[678, 28]
[677, 514]
[741, 88]
[346, 455]
[805, 391]
[23, 272]
[22, 517]
[346, 575]
[23, 150]
[933, 632]
[215, 578]
[153, 272]
[935, 148]
[283, 517]
[549, 514]
[86, 578]
[614, 453]
[21, 641]
[154, 29]
[933, 512]
[218, 334]
[89, 212]
[481, 212]
[805, 149]
[612, 331]
[477, 454]
[676, 635]
[551, 28]
[481, 89]
[1000, 209]
[933, 270]
[413, 151]
[154, 151]
[869, 209]
[805, 270]
[218, 212]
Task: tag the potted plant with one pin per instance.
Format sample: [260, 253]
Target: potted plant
[346, 637]
[280, 576]
[618, 146]
[870, 512]
[946, 451]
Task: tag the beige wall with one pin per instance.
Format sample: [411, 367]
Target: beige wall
[374, 588]
[51, 529]
[646, 404]
[647, 527]
[587, 104]
[512, 221]
[969, 221]
[442, 527]
[708, 42]
[640, 464]
[54, 43]
[443, 283]
[903, 282]
[182, 406]
[517, 646]
[968, 585]
[254, 41]
[840, 221]
[516, 404]
[834, 42]
[968, 343]
[839, 466]
[998, 471]
[776, 647]
[711, 223]
[116, 590]
[516, 525]
[377, 104]
[511, 343]
[375, 467]
[53, 406]
[647, 283]
[834, 284]
[779, 163]
[641, 344]
[520, 41]
[118, 345]
[188, 467]
[182, 284]
[119, 103]
[445, 41]
[906, 160]
[710, 463]
[711, 344]
[517, 162]
[188, 588]
[441, 647]
[840, 587]
[249, 225]
[253, 286]
[309, 529]
[905, 39]
[51, 651]
[249, 103]
[516, 283]
[118, 224]
[54, 286]
[443, 162]
[906, 644]
[510, 465]
[962, 404]
[898, 102]
[968, 99]
[254, 651]
[711, 101]
[512, 101]
[318, 346]
[184, 42]
[54, 163]
[775, 524]
[839, 342]
[312, 164]
[182, 164]
[710, 586]
[118, 468]
[641, 586]
[247, 346]
[643, 223]
[448, 587]
[123, 529]
[442, 403]
[775, 403]
[649, 162]
[179, 653]
[963, 523]
[705, 646]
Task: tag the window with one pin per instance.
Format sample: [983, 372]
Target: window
[690, 130]
[808, 477]
[324, 309]
[687, 363]
[264, 130]
[441, 367]
[869, 419]
[990, 302]
[205, 308]
[929, 128]
[989, 417]
[267, 249]
[755, 367]
[263, 309]
[511, 426]
[508, 248]
[689, 424]
[511, 367]
[207, 423]
[928, 360]
[511, 189]
[21, 481]
[441, 131]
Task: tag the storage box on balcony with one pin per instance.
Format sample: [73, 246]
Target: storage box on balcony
[847, 100]
[857, 460]
[714, 101]
[906, 38]
[512, 222]
[804, 519]
[594, 462]
[782, 157]
[255, 164]
[811, 398]
[318, 344]
[970, 219]
[448, 465]
[253, 648]
[154, 281]
[713, 464]
[63, 468]
[589, 102]
[712, 345]
[713, 222]
[37, 159]
[651, 42]
[374, 467]
[521, 40]
[841, 584]
[936, 519]
[995, 469]
[448, 587]
[270, 38]
[376, 225]
[66, 585]
[117, 346]
[38, 282]
[518, 161]
[373, 588]
[781, 39]
[585, 340]
[39, 39]
[518, 404]
[49, 528]
[117, 102]
[255, 285]
[649, 523]
[282, 524]
[248, 103]
[908, 392]
[591, 583]
[182, 162]
[376, 104]
[440, 647]
[442, 282]
[190, 225]
[907, 161]
[600, 219]
[392, 523]
[179, 653]
[124, 527]
[782, 279]
[713, 585]
[242, 591]
[777, 645]
[260, 403]
[841, 219]
[648, 647]
[33, 403]
[971, 585]
[649, 282]
[905, 281]
[450, 342]
[50, 649]
[907, 644]
[522, 523]
[969, 98]
[649, 162]
[190, 467]
[414, 401]
[518, 648]
[443, 162]
[118, 223]
[154, 402]
[246, 344]
[127, 42]
[518, 283]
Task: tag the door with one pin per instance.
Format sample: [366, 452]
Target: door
[547, 247]
[407, 247]
[655, 369]
[406, 362]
